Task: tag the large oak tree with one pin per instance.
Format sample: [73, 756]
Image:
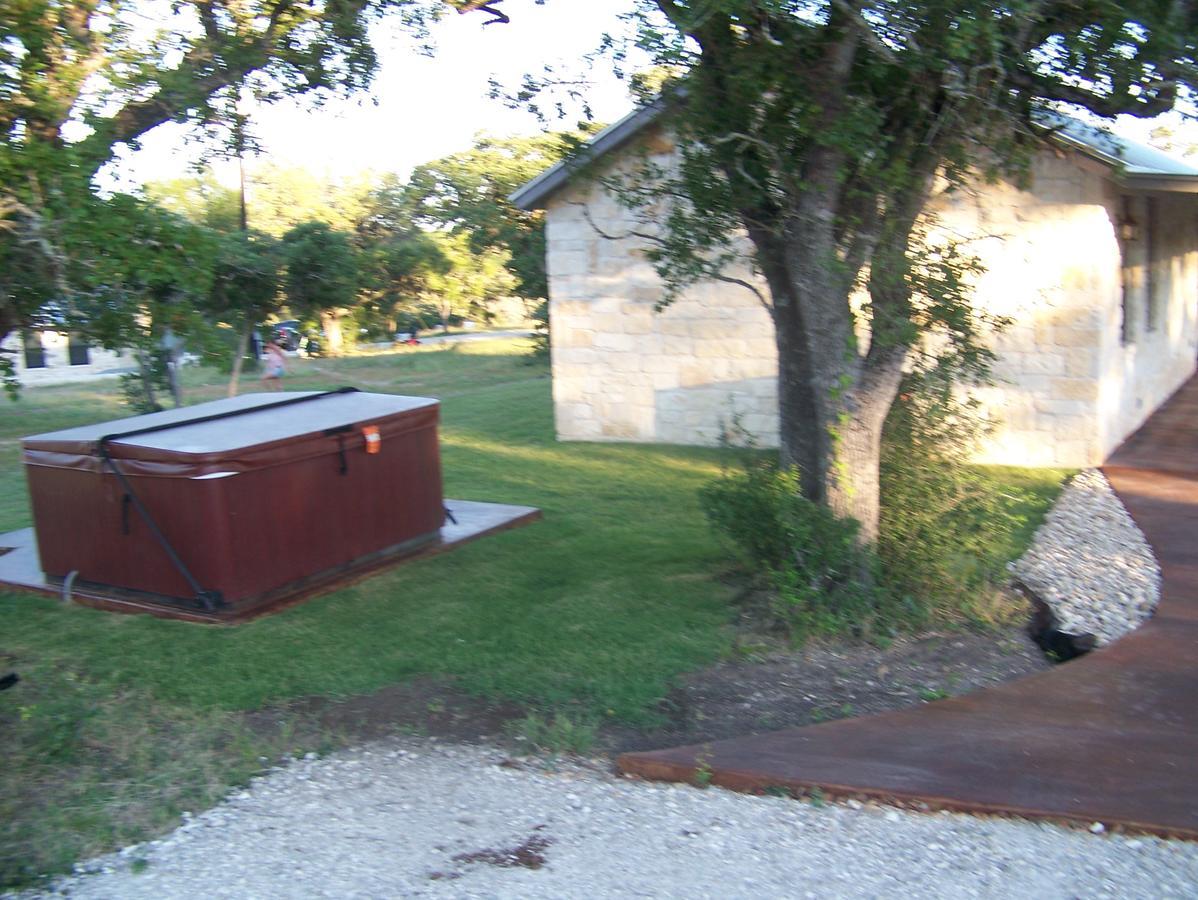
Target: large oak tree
[819, 130]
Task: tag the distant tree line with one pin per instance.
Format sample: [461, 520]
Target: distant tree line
[367, 255]
[81, 81]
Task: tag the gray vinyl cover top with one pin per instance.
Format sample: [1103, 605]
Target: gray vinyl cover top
[252, 428]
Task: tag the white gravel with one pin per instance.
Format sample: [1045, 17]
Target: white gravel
[1090, 563]
[388, 820]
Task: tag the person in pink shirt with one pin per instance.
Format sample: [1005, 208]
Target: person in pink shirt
[276, 367]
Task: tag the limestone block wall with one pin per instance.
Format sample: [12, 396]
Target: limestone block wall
[1068, 386]
[1051, 261]
[623, 371]
[1070, 382]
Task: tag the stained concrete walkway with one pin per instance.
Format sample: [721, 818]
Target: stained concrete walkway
[1111, 737]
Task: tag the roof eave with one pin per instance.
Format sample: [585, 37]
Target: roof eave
[1145, 179]
[535, 193]
[1174, 184]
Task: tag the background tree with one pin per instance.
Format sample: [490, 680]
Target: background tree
[467, 193]
[278, 198]
[281, 197]
[469, 280]
[396, 271]
[96, 64]
[245, 290]
[818, 131]
[198, 198]
[322, 277]
[150, 272]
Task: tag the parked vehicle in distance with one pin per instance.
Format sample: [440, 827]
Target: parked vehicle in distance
[289, 335]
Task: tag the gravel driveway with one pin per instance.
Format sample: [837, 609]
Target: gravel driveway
[411, 817]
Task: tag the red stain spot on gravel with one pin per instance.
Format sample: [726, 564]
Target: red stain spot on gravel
[529, 855]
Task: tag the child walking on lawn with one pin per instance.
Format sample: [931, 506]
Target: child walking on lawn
[272, 375]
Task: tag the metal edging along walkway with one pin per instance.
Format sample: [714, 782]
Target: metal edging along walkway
[1111, 737]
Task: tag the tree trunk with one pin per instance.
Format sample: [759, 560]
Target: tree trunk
[856, 451]
[836, 441]
[330, 321]
[172, 377]
[243, 346]
[801, 445]
[145, 367]
[832, 399]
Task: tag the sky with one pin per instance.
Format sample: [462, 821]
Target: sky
[420, 108]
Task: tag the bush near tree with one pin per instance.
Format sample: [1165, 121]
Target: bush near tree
[948, 529]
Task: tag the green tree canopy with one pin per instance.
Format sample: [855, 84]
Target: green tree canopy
[78, 78]
[199, 199]
[149, 273]
[281, 197]
[467, 192]
[397, 271]
[245, 289]
[322, 276]
[468, 280]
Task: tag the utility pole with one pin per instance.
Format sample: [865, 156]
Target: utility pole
[244, 340]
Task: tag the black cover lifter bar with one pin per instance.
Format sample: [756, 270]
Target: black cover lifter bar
[208, 599]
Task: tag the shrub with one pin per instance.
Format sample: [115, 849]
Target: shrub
[540, 337]
[945, 523]
[821, 580]
[947, 529]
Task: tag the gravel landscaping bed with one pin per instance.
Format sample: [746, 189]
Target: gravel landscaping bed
[411, 817]
[1090, 564]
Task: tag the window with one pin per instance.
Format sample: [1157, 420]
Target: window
[78, 350]
[1128, 232]
[35, 353]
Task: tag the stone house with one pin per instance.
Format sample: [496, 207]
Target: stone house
[50, 356]
[1095, 262]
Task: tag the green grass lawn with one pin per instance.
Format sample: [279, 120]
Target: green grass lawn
[122, 721]
[593, 610]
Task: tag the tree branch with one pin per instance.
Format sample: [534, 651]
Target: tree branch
[1165, 95]
[207, 14]
[863, 28]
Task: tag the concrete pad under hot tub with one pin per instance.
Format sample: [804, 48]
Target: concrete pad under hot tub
[21, 571]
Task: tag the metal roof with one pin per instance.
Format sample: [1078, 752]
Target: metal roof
[1137, 165]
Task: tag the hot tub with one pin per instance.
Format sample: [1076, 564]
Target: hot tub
[217, 504]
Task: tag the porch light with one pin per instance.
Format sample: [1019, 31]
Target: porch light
[1129, 227]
